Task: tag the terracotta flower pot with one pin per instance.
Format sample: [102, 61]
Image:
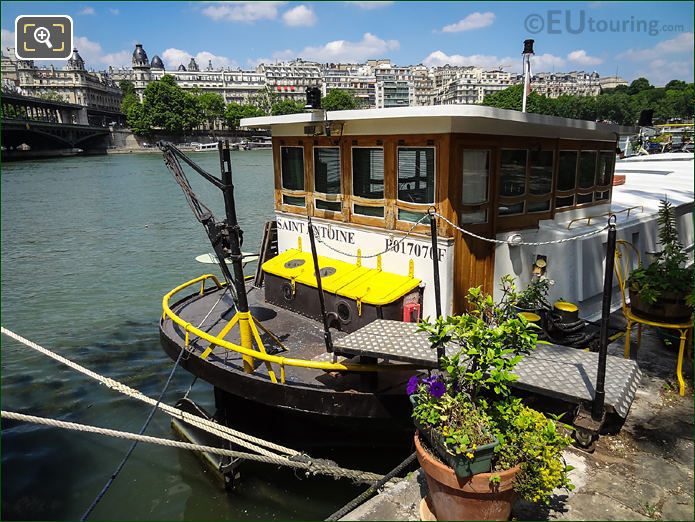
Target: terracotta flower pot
[469, 498]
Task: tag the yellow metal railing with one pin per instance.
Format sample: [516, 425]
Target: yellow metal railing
[607, 214]
[265, 357]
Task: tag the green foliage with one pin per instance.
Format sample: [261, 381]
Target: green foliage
[211, 106]
[667, 273]
[534, 296]
[287, 107]
[127, 87]
[622, 104]
[474, 399]
[461, 425]
[528, 437]
[234, 112]
[165, 106]
[339, 100]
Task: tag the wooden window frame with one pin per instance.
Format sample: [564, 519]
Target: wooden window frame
[314, 194]
[598, 148]
[361, 219]
[406, 142]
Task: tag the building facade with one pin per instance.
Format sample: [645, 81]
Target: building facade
[73, 83]
[378, 83]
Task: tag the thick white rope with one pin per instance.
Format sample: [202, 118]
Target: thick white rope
[220, 430]
[311, 466]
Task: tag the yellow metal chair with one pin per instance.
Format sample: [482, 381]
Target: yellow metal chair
[625, 253]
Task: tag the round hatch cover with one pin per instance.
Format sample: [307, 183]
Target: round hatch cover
[294, 263]
[327, 271]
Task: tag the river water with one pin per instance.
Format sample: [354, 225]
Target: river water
[89, 247]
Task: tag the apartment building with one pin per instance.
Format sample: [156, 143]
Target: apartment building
[73, 83]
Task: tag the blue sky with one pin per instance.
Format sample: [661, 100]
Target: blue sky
[632, 39]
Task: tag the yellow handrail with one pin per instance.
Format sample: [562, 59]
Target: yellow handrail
[607, 214]
[282, 361]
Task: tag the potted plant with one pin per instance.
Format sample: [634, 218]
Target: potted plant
[663, 291]
[533, 298]
[468, 406]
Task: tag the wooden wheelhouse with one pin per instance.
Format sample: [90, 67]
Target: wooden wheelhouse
[365, 177]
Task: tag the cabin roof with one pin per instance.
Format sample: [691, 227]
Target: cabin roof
[441, 119]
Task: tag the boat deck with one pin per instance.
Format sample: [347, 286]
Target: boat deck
[555, 372]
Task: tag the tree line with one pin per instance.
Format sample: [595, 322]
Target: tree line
[169, 108]
[621, 105]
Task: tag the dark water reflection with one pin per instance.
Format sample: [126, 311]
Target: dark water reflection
[89, 247]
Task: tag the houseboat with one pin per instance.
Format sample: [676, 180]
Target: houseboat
[507, 190]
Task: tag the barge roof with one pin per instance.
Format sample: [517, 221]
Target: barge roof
[474, 119]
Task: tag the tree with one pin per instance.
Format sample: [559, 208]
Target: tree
[339, 100]
[639, 85]
[168, 107]
[127, 87]
[678, 85]
[129, 96]
[509, 98]
[264, 99]
[234, 112]
[287, 107]
[212, 107]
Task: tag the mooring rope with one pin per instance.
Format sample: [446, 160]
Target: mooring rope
[315, 466]
[242, 439]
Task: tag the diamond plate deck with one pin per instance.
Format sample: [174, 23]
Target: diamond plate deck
[555, 371]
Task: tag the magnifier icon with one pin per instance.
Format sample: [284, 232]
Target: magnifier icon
[42, 35]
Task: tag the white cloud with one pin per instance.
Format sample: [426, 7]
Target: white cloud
[300, 15]
[660, 64]
[243, 11]
[370, 5]
[543, 62]
[579, 56]
[174, 57]
[114, 11]
[681, 43]
[87, 11]
[95, 58]
[370, 46]
[538, 62]
[438, 58]
[472, 21]
[7, 39]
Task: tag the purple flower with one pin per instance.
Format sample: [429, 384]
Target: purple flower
[429, 380]
[412, 385]
[437, 389]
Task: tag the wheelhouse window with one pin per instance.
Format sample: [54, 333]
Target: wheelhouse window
[513, 173]
[587, 168]
[540, 180]
[292, 168]
[368, 181]
[327, 178]
[475, 183]
[584, 177]
[292, 175]
[416, 174]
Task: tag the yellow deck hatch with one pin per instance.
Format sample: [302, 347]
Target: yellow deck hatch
[367, 285]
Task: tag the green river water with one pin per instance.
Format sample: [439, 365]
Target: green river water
[89, 247]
